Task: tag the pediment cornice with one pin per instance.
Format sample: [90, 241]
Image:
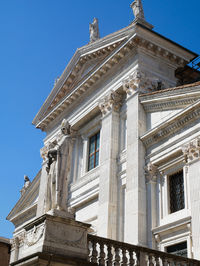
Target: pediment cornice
[172, 125]
[109, 51]
[27, 200]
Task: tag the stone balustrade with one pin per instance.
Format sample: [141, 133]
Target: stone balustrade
[108, 252]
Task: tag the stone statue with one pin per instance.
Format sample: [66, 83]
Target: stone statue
[58, 169]
[138, 9]
[94, 30]
[27, 183]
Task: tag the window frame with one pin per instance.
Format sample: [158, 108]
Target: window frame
[96, 151]
[169, 177]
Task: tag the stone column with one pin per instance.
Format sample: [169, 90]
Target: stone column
[135, 210]
[151, 181]
[109, 148]
[192, 157]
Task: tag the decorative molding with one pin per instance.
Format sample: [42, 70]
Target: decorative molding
[191, 151]
[167, 104]
[172, 125]
[111, 102]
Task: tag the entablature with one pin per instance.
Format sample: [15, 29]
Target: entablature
[172, 125]
[171, 99]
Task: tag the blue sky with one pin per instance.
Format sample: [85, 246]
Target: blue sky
[38, 38]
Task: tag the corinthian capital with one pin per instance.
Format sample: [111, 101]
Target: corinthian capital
[191, 151]
[151, 172]
[112, 101]
[134, 82]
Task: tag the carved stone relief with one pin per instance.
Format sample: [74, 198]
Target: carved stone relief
[139, 81]
[112, 101]
[191, 151]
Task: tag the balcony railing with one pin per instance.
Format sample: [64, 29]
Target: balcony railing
[103, 251]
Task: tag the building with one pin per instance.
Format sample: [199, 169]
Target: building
[4, 251]
[122, 143]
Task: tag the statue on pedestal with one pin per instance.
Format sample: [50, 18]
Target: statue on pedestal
[138, 9]
[58, 169]
[94, 30]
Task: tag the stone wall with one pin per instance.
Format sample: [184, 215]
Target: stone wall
[4, 251]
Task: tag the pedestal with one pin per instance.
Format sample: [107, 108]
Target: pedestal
[54, 236]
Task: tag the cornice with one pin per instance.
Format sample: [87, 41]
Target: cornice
[170, 99]
[66, 92]
[167, 103]
[172, 125]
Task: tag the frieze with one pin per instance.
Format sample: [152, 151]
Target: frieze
[168, 105]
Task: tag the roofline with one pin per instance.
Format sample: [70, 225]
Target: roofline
[169, 40]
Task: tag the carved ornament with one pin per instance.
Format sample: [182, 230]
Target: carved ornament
[151, 172]
[191, 151]
[34, 235]
[112, 101]
[139, 81]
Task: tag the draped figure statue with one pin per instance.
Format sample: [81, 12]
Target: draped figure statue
[58, 170]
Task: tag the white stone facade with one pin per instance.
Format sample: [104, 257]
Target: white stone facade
[118, 86]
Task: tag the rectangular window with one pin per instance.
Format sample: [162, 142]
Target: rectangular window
[179, 249]
[176, 191]
[93, 158]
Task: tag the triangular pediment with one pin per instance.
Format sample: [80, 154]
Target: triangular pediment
[91, 62]
[27, 204]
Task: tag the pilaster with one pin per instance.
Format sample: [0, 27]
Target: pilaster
[109, 143]
[135, 202]
[192, 158]
[151, 181]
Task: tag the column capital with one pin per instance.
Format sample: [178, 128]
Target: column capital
[191, 151]
[151, 172]
[111, 102]
[133, 82]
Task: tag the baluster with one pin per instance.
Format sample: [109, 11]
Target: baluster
[157, 260]
[164, 261]
[124, 257]
[109, 258]
[117, 257]
[131, 259]
[138, 258]
[150, 258]
[101, 254]
[94, 254]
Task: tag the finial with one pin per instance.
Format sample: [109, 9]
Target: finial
[94, 30]
[138, 9]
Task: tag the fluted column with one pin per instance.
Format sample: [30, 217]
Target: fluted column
[192, 158]
[135, 201]
[109, 148]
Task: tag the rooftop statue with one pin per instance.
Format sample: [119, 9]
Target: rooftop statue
[94, 30]
[138, 9]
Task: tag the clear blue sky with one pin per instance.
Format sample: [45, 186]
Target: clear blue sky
[38, 38]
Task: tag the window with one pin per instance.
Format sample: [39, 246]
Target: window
[176, 191]
[93, 158]
[179, 249]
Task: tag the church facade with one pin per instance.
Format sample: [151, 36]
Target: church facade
[122, 144]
